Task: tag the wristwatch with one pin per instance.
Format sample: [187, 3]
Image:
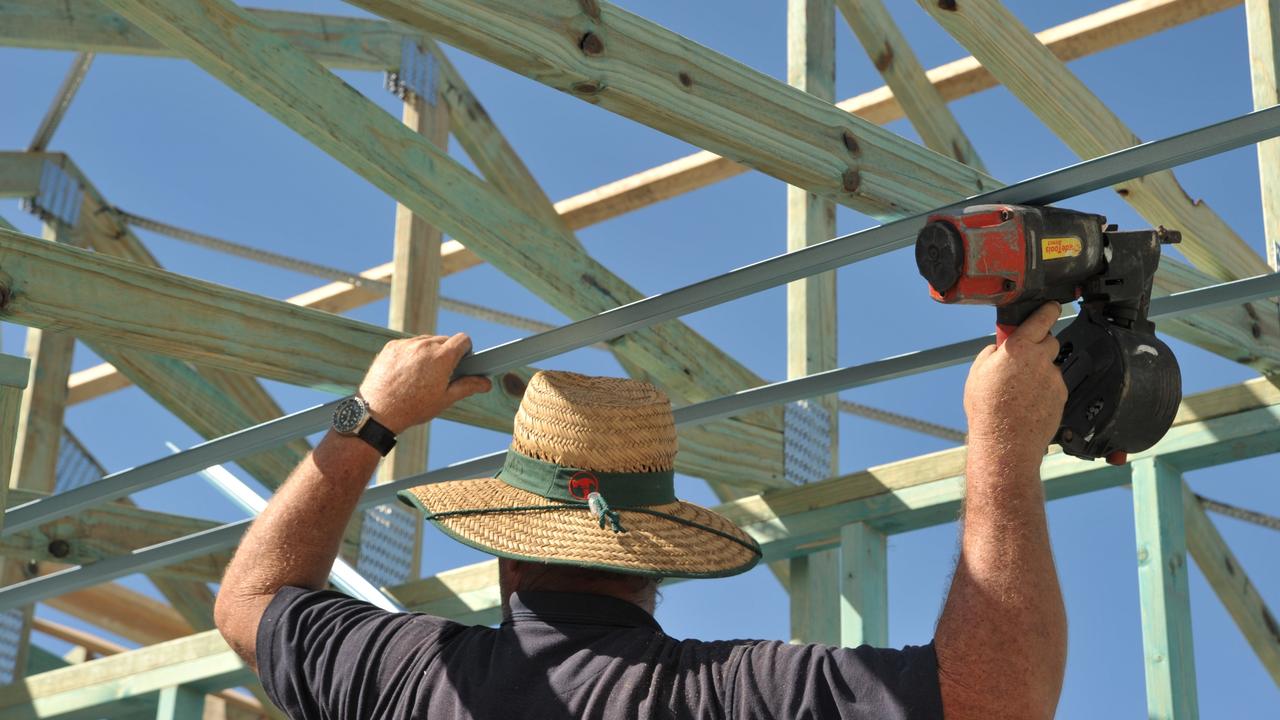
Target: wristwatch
[351, 418]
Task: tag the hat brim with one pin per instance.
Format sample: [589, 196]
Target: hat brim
[677, 539]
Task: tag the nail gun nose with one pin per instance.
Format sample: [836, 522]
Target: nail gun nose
[940, 255]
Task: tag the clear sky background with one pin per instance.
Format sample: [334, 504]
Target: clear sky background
[161, 138]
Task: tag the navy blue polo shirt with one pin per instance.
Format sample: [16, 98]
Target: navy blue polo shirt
[322, 654]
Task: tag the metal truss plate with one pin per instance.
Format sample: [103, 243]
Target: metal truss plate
[58, 197]
[806, 442]
[419, 73]
[386, 545]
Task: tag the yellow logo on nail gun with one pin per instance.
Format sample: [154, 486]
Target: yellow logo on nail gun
[1052, 248]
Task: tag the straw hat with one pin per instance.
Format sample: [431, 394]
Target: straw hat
[588, 481]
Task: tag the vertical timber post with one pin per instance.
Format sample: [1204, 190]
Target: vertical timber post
[1262, 17]
[180, 703]
[864, 595]
[14, 626]
[1162, 590]
[811, 320]
[416, 265]
[39, 433]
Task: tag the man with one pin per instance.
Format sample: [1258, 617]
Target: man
[584, 520]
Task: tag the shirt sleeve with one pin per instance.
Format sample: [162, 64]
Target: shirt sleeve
[322, 654]
[779, 680]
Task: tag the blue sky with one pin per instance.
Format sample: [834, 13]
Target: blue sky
[161, 138]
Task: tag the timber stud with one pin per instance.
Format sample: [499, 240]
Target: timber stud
[59, 548]
[513, 384]
[591, 44]
[851, 179]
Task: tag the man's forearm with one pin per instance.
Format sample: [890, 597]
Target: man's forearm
[296, 538]
[1002, 637]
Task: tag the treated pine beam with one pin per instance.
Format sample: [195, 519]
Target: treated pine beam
[893, 57]
[123, 612]
[864, 586]
[111, 301]
[109, 530]
[344, 43]
[631, 66]
[102, 647]
[1211, 428]
[14, 374]
[811, 320]
[415, 291]
[1263, 21]
[202, 661]
[1044, 84]
[1228, 579]
[320, 107]
[1163, 591]
[1078, 38]
[180, 702]
[1084, 36]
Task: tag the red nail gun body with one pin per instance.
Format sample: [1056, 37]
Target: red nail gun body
[1124, 383]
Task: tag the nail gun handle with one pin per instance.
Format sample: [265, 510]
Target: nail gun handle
[1009, 317]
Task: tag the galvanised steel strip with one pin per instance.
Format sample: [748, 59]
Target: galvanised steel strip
[227, 536]
[199, 457]
[1073, 180]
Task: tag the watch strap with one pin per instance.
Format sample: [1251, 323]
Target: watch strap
[377, 435]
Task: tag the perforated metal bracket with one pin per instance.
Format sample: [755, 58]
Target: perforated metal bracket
[386, 545]
[10, 639]
[806, 442]
[58, 197]
[419, 73]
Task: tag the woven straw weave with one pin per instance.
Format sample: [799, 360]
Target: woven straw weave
[606, 425]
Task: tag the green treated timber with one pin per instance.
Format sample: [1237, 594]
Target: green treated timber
[811, 313]
[1232, 423]
[891, 54]
[642, 71]
[264, 68]
[180, 703]
[115, 301]
[345, 43]
[109, 530]
[1163, 591]
[143, 706]
[1262, 18]
[201, 661]
[864, 593]
[14, 372]
[1229, 581]
[751, 118]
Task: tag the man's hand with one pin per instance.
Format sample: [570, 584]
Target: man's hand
[1014, 395]
[408, 383]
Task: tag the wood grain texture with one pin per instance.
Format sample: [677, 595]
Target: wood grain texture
[897, 63]
[339, 120]
[1229, 581]
[811, 314]
[1262, 17]
[339, 42]
[640, 70]
[1163, 591]
[202, 661]
[124, 612]
[1044, 84]
[864, 587]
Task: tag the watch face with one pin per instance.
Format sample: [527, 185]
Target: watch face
[348, 416]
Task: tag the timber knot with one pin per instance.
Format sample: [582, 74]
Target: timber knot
[591, 44]
[851, 180]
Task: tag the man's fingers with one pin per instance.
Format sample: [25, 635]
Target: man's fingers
[1036, 327]
[467, 386]
[456, 346]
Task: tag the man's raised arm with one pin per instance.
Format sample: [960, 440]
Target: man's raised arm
[1002, 638]
[296, 538]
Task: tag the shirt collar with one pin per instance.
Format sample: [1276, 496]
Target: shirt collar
[577, 609]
